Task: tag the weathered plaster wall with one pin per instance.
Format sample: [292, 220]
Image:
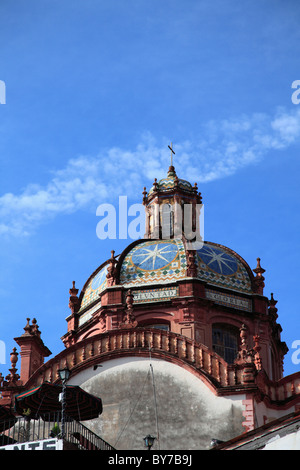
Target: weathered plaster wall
[264, 415]
[189, 415]
[289, 442]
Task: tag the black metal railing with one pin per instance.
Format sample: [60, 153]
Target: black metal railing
[76, 435]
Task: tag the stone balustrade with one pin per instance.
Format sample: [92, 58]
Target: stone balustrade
[223, 378]
[284, 390]
[141, 342]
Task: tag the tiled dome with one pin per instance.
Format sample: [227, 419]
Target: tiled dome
[153, 262]
[164, 261]
[220, 266]
[168, 183]
[95, 285]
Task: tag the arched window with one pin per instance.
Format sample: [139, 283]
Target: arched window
[225, 341]
[152, 323]
[160, 326]
[167, 221]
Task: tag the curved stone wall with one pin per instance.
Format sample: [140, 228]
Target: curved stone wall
[142, 396]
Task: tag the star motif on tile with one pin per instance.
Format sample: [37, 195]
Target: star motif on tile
[218, 261]
[156, 257]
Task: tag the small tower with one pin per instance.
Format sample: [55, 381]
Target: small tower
[172, 208]
[33, 350]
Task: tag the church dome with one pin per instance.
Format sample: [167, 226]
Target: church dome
[168, 183]
[164, 261]
[155, 262]
[171, 182]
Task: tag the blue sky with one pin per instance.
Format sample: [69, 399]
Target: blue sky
[95, 92]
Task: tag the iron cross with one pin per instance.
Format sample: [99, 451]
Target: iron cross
[172, 152]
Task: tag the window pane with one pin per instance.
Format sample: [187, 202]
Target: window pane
[159, 326]
[225, 342]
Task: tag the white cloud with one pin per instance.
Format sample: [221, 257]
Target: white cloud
[287, 126]
[223, 148]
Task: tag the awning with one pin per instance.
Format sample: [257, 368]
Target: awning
[7, 418]
[79, 405]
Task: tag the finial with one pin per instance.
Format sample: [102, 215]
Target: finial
[27, 327]
[129, 299]
[111, 275]
[35, 328]
[73, 301]
[144, 195]
[73, 291]
[155, 184]
[272, 307]
[259, 270]
[246, 358]
[129, 320]
[14, 357]
[256, 349]
[259, 278]
[13, 376]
